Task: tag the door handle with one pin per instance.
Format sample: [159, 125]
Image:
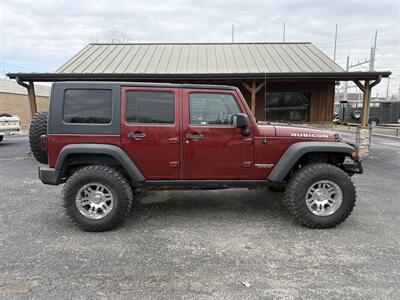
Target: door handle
[136, 135]
[194, 136]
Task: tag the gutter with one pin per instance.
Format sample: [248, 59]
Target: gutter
[51, 77]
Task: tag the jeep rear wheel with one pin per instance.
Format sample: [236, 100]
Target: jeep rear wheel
[97, 198]
[320, 196]
[37, 128]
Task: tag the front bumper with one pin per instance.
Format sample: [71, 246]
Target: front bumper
[353, 166]
[49, 176]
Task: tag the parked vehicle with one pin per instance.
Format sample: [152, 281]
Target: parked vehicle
[9, 125]
[106, 140]
[380, 112]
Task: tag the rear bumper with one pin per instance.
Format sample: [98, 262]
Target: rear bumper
[49, 176]
[9, 130]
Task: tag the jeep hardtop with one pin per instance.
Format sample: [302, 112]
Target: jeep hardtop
[107, 140]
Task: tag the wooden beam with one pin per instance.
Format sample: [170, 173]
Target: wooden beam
[360, 85]
[253, 89]
[247, 87]
[259, 87]
[32, 98]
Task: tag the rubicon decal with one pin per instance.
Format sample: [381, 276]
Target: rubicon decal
[309, 135]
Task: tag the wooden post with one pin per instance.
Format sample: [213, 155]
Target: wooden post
[366, 88]
[32, 98]
[364, 120]
[254, 89]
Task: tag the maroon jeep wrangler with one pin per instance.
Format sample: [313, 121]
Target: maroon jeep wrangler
[105, 140]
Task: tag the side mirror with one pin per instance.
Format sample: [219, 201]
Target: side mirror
[241, 120]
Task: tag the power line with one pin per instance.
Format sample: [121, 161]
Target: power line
[358, 39]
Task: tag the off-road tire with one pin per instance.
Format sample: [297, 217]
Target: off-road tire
[373, 121]
[303, 179]
[108, 176]
[356, 115]
[37, 128]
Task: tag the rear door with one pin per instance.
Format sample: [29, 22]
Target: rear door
[150, 130]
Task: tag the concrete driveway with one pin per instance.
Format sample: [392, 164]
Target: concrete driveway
[228, 244]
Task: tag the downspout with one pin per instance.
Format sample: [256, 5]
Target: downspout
[21, 83]
[30, 88]
[375, 82]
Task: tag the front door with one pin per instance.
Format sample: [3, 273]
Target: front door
[212, 146]
[150, 130]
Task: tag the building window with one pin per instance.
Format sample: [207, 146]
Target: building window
[150, 107]
[212, 109]
[88, 106]
[287, 106]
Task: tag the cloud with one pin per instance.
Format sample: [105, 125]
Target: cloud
[42, 35]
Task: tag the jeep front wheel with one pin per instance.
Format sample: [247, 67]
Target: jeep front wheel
[97, 198]
[320, 196]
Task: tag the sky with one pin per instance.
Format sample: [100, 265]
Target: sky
[40, 35]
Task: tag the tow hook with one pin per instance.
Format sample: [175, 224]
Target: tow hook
[353, 166]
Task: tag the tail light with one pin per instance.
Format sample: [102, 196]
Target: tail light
[43, 142]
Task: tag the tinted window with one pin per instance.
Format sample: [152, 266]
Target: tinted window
[88, 106]
[150, 107]
[209, 108]
[287, 106]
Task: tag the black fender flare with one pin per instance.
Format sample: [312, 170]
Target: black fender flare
[116, 152]
[297, 150]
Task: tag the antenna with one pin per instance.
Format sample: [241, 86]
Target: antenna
[334, 49]
[373, 51]
[233, 33]
[284, 31]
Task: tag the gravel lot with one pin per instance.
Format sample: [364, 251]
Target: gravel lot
[231, 244]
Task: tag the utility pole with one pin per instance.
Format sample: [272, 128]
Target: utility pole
[233, 33]
[334, 50]
[398, 94]
[387, 89]
[284, 31]
[372, 55]
[346, 84]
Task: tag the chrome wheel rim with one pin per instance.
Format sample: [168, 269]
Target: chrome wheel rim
[94, 201]
[324, 198]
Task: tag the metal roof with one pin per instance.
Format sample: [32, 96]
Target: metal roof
[199, 62]
[221, 58]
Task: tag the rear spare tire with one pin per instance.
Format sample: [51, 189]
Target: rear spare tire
[37, 128]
